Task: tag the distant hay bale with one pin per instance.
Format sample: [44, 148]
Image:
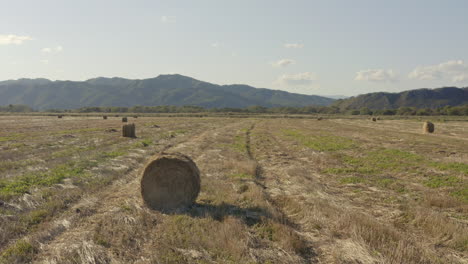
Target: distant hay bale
[319, 118]
[170, 181]
[60, 116]
[128, 131]
[428, 127]
[378, 118]
[124, 119]
[374, 119]
[135, 116]
[104, 117]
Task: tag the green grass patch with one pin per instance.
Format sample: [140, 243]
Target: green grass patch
[113, 154]
[320, 142]
[451, 166]
[438, 181]
[22, 184]
[378, 161]
[146, 142]
[239, 143]
[243, 176]
[20, 252]
[461, 194]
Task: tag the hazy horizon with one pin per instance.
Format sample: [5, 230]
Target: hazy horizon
[321, 47]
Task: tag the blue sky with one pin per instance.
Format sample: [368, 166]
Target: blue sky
[313, 47]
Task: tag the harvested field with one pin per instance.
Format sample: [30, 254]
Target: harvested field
[272, 191]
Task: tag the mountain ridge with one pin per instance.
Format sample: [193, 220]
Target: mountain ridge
[419, 98]
[167, 89]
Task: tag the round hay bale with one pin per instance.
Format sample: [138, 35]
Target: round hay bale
[374, 119]
[428, 127]
[60, 116]
[319, 118]
[170, 181]
[124, 119]
[104, 117]
[129, 131]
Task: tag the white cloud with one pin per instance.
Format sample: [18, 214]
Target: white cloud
[215, 44]
[57, 49]
[13, 39]
[168, 19]
[283, 63]
[305, 78]
[462, 78]
[293, 45]
[457, 70]
[376, 75]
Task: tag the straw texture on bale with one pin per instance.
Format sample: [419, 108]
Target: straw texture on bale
[428, 127]
[124, 119]
[170, 181]
[128, 131]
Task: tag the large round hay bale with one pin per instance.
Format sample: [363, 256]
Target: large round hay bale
[104, 117]
[374, 119]
[129, 131]
[124, 119]
[170, 181]
[428, 127]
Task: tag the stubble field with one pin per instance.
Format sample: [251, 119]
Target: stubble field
[274, 190]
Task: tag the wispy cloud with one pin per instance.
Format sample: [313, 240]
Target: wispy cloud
[168, 19]
[13, 39]
[457, 70]
[56, 49]
[305, 78]
[293, 45]
[283, 63]
[376, 75]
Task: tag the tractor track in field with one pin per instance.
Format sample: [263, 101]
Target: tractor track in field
[309, 255]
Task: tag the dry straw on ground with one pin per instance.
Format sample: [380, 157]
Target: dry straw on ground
[128, 130]
[170, 181]
[428, 127]
[124, 119]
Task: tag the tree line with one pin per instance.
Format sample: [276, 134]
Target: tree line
[408, 111]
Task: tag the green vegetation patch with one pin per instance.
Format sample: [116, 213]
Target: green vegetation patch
[461, 194]
[20, 252]
[242, 176]
[438, 181]
[381, 160]
[451, 166]
[320, 142]
[22, 184]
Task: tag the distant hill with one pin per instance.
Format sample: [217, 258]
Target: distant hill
[163, 90]
[420, 98]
